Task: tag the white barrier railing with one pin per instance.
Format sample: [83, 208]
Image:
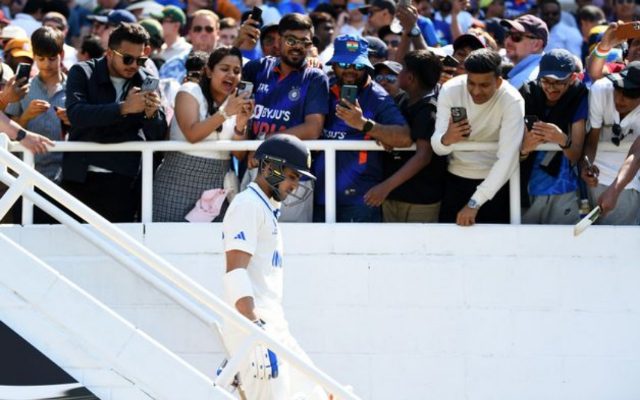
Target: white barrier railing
[328, 146]
[145, 263]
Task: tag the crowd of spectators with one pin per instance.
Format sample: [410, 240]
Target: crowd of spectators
[429, 73]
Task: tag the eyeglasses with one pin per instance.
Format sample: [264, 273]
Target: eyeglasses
[293, 41]
[618, 135]
[391, 78]
[517, 37]
[129, 59]
[357, 67]
[392, 43]
[554, 83]
[200, 28]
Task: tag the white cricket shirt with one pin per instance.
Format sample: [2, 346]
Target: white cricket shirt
[251, 225]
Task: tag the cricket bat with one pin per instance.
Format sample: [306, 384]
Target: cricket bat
[587, 221]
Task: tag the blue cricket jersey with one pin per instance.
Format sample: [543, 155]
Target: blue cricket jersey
[283, 101]
[357, 171]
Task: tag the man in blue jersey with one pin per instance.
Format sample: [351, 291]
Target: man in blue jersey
[291, 97]
[373, 116]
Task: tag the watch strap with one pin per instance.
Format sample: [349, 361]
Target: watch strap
[21, 134]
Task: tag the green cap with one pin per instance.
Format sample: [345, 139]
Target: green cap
[173, 13]
[153, 27]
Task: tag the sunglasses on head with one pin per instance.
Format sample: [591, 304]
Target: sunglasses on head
[357, 67]
[391, 78]
[517, 37]
[200, 28]
[129, 59]
[293, 41]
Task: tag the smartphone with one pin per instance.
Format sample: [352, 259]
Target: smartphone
[150, 84]
[629, 30]
[458, 114]
[349, 92]
[529, 120]
[589, 166]
[256, 14]
[245, 87]
[23, 71]
[450, 61]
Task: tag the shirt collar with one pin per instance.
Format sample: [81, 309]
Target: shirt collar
[272, 205]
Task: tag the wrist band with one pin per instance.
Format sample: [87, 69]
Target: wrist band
[237, 285]
[600, 54]
[567, 143]
[224, 114]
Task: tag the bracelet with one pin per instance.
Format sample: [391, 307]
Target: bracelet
[224, 114]
[600, 54]
[567, 143]
[523, 156]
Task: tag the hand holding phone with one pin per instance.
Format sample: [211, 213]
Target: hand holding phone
[450, 61]
[591, 170]
[256, 15]
[349, 93]
[245, 87]
[529, 120]
[150, 84]
[23, 71]
[628, 30]
[458, 114]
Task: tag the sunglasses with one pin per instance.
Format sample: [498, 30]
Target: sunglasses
[200, 28]
[554, 83]
[617, 137]
[517, 37]
[391, 78]
[357, 67]
[293, 41]
[129, 59]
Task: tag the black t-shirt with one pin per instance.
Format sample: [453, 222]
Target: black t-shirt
[426, 187]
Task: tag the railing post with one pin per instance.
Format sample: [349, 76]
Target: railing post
[27, 205]
[330, 185]
[514, 196]
[147, 186]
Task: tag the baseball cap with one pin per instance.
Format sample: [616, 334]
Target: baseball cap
[628, 78]
[528, 24]
[153, 27]
[13, 32]
[381, 4]
[393, 66]
[377, 47]
[19, 47]
[267, 29]
[557, 64]
[114, 17]
[468, 40]
[350, 49]
[146, 8]
[173, 13]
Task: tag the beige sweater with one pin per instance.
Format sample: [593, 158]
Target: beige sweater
[501, 119]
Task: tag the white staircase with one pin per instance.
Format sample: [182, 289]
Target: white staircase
[97, 346]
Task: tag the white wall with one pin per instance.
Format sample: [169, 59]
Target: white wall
[412, 311]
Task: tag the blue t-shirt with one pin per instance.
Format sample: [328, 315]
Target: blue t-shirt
[428, 30]
[357, 171]
[283, 101]
[543, 184]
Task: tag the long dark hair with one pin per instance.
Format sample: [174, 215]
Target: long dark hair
[205, 82]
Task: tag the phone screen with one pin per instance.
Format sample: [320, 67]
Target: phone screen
[23, 71]
[349, 92]
[458, 114]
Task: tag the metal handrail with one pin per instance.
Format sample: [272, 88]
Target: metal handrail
[151, 267]
[328, 146]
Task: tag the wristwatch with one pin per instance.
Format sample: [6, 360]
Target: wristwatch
[472, 204]
[567, 143]
[368, 126]
[21, 135]
[415, 31]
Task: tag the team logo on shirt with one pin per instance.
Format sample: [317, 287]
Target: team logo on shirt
[294, 93]
[263, 88]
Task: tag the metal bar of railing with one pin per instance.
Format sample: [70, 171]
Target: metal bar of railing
[328, 146]
[153, 268]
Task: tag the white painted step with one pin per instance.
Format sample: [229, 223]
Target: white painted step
[92, 343]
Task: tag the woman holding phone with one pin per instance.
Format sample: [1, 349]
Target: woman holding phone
[209, 110]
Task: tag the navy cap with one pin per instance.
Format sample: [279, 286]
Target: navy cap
[114, 17]
[628, 78]
[377, 47]
[350, 49]
[381, 4]
[393, 66]
[557, 64]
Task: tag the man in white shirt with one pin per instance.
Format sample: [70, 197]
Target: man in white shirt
[253, 281]
[175, 45]
[475, 189]
[614, 116]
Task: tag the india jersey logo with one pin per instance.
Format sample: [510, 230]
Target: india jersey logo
[352, 45]
[294, 93]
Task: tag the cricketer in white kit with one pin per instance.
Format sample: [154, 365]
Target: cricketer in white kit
[254, 270]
